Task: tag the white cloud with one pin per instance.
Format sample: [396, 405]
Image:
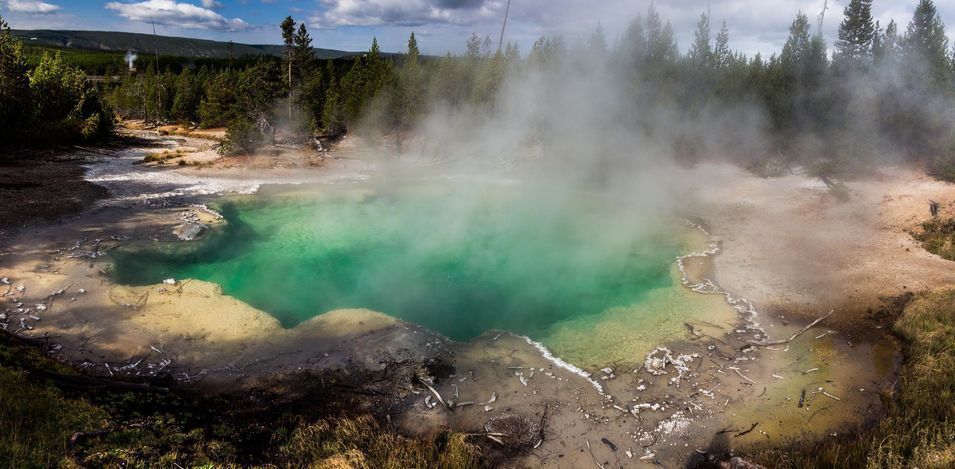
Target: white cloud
[211, 4]
[403, 12]
[175, 14]
[31, 6]
[755, 25]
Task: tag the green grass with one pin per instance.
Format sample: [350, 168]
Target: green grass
[345, 443]
[919, 427]
[300, 426]
[37, 421]
[938, 237]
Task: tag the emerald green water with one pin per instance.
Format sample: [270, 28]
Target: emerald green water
[459, 261]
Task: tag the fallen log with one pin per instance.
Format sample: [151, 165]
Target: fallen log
[793, 337]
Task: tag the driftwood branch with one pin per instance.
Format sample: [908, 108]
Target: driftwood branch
[596, 461]
[543, 426]
[741, 374]
[793, 337]
[747, 431]
[433, 391]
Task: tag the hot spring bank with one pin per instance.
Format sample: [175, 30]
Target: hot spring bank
[577, 274]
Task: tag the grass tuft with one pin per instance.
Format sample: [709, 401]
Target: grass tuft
[938, 237]
[362, 443]
[296, 428]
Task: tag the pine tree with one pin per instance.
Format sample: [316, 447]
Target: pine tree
[288, 35]
[474, 47]
[333, 115]
[411, 93]
[512, 54]
[891, 43]
[796, 100]
[633, 46]
[856, 34]
[701, 52]
[217, 106]
[303, 53]
[597, 44]
[486, 47]
[804, 54]
[351, 90]
[253, 122]
[311, 99]
[546, 50]
[926, 44]
[413, 51]
[878, 43]
[186, 101]
[722, 55]
[661, 45]
[378, 70]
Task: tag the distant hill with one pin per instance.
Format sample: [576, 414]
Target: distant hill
[149, 44]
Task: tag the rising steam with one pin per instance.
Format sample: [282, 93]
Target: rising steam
[131, 60]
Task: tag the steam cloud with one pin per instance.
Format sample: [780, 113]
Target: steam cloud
[131, 59]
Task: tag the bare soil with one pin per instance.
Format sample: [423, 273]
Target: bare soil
[793, 248]
[41, 191]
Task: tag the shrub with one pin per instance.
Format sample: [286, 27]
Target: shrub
[242, 137]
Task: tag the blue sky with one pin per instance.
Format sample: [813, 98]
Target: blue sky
[440, 25]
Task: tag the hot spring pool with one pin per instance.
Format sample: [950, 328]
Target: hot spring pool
[588, 276]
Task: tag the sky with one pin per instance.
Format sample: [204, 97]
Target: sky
[755, 26]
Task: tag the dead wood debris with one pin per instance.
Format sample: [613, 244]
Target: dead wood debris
[793, 337]
[519, 432]
[746, 431]
[596, 461]
[80, 436]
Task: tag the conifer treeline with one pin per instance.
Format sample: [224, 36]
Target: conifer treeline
[879, 86]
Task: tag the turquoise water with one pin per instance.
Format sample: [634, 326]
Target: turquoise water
[460, 261]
